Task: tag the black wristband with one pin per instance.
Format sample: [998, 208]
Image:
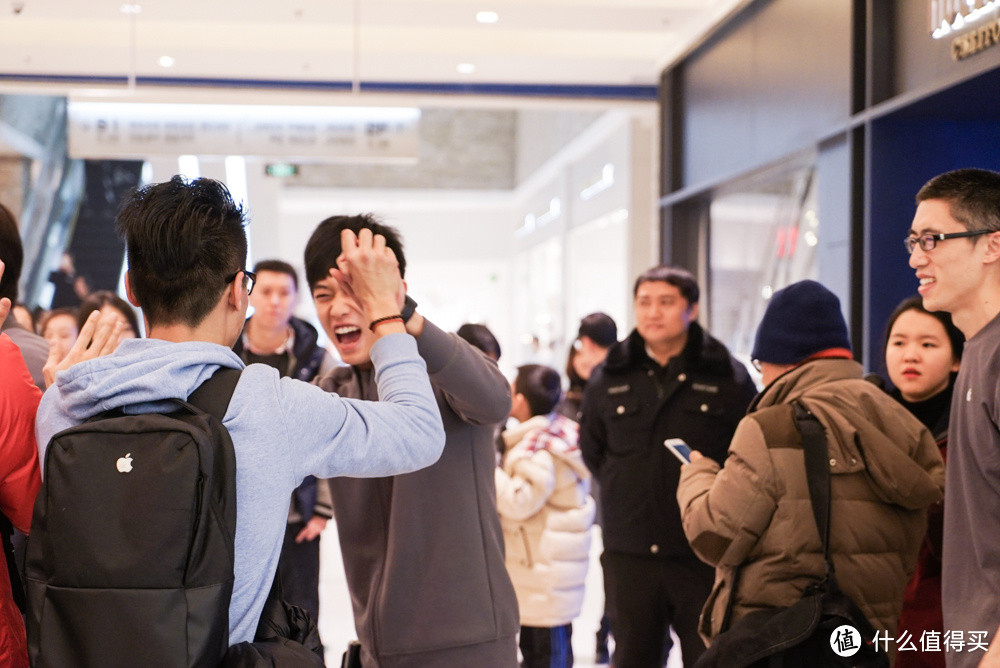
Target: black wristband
[386, 318]
[409, 306]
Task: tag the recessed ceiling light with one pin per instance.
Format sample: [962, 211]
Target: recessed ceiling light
[466, 68]
[130, 8]
[487, 17]
[166, 61]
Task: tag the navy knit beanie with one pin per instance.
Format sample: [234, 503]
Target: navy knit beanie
[801, 320]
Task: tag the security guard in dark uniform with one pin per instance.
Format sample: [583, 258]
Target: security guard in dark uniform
[668, 379]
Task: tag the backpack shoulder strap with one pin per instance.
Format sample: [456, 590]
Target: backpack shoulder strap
[213, 396]
[792, 425]
[817, 472]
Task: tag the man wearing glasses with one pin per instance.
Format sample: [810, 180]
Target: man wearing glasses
[186, 248]
[954, 246]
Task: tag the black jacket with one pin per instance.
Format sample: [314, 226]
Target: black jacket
[631, 405]
[306, 357]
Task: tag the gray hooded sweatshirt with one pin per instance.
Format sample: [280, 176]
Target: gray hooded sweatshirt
[282, 431]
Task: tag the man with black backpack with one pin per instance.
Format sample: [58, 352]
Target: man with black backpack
[187, 252]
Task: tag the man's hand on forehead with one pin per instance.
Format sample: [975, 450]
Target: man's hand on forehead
[369, 269]
[343, 283]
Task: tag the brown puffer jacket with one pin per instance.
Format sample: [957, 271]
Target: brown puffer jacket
[755, 512]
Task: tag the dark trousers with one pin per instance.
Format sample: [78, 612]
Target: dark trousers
[547, 647]
[298, 569]
[648, 595]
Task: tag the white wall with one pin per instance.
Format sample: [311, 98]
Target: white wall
[606, 232]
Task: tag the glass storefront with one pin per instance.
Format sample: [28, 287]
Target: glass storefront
[763, 235]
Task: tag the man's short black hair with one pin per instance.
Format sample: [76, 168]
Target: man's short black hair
[481, 337]
[278, 267]
[540, 385]
[599, 328]
[682, 279]
[973, 196]
[184, 240]
[11, 253]
[324, 248]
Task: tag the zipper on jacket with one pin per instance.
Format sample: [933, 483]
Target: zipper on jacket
[527, 546]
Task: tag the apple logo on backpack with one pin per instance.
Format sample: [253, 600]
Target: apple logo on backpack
[124, 464]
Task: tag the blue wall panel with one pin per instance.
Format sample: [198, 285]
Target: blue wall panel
[907, 151]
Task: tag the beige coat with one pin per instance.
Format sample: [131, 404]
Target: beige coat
[755, 512]
[546, 514]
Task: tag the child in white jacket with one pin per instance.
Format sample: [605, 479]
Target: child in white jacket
[546, 513]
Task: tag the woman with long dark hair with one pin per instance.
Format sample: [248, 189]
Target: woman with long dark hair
[922, 354]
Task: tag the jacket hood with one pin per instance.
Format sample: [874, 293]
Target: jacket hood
[513, 435]
[140, 376]
[865, 429]
[557, 446]
[701, 351]
[306, 335]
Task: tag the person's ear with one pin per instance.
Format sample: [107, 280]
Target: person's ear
[516, 402]
[128, 291]
[693, 310]
[236, 294]
[992, 248]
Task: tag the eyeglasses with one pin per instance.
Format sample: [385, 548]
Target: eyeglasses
[250, 276]
[927, 242]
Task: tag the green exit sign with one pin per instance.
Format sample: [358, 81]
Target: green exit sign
[281, 170]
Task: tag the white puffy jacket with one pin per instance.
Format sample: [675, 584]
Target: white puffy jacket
[546, 513]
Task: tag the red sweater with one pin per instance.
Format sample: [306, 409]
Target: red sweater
[19, 481]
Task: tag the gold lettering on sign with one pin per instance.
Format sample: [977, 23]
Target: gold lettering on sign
[976, 40]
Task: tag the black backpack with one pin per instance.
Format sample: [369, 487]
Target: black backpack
[130, 559]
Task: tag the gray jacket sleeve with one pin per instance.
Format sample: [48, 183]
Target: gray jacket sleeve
[470, 382]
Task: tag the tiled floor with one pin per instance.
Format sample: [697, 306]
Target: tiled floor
[337, 624]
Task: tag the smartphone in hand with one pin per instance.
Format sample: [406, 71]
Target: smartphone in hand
[679, 448]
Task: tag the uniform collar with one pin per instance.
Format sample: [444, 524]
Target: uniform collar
[288, 345]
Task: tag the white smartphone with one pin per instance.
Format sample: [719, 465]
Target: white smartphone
[681, 450]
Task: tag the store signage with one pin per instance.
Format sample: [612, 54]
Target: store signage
[977, 40]
[327, 134]
[948, 17]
